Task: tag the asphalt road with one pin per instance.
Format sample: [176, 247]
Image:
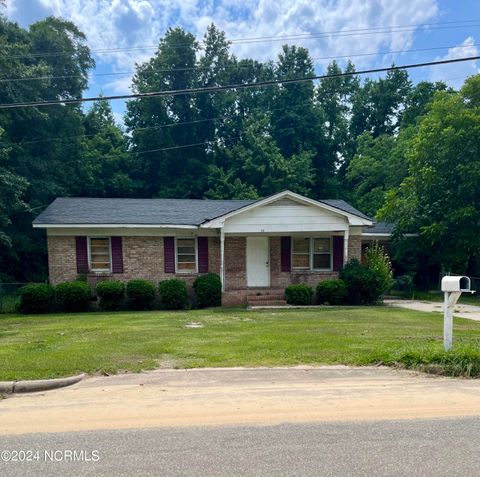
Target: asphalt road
[434, 447]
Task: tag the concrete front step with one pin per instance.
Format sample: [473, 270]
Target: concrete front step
[267, 298]
[268, 303]
[277, 296]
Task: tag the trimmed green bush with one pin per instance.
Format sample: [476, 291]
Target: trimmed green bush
[111, 294]
[208, 290]
[73, 296]
[364, 285]
[299, 294]
[36, 298]
[332, 292]
[173, 294]
[140, 294]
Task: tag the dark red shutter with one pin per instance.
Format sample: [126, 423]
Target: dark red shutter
[117, 255]
[82, 254]
[286, 254]
[202, 254]
[169, 254]
[338, 244]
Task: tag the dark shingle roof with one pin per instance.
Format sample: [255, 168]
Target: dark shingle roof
[79, 210]
[379, 228]
[345, 207]
[85, 211]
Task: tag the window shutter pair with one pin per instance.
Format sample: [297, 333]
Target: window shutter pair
[169, 254]
[82, 254]
[286, 253]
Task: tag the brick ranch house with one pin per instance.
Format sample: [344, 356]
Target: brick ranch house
[257, 247]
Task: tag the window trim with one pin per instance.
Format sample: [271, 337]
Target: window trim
[186, 272]
[311, 254]
[89, 255]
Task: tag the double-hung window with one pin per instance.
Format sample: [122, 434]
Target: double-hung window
[321, 253]
[301, 253]
[186, 255]
[100, 257]
[311, 253]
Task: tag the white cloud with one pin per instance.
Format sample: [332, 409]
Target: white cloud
[454, 74]
[133, 23]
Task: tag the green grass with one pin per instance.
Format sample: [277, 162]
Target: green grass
[9, 303]
[53, 345]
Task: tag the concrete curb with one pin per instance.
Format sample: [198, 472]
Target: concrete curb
[32, 386]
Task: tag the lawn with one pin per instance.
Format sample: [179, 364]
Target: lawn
[58, 344]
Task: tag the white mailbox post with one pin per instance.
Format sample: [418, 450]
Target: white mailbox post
[453, 287]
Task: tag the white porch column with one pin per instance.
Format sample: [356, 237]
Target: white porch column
[222, 258]
[345, 246]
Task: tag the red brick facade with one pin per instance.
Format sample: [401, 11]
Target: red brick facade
[143, 257]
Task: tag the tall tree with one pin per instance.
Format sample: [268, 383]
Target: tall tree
[379, 165]
[334, 96]
[107, 162]
[257, 161]
[441, 195]
[377, 106]
[168, 122]
[44, 144]
[297, 122]
[12, 188]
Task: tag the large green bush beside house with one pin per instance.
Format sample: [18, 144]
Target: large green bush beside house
[173, 294]
[140, 294]
[332, 292]
[299, 294]
[37, 298]
[111, 294]
[73, 296]
[208, 290]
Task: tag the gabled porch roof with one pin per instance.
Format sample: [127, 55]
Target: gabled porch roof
[336, 207]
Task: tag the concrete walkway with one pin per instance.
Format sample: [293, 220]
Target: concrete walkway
[470, 312]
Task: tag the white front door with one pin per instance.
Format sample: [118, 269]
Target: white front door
[258, 262]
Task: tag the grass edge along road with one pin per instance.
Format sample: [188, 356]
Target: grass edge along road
[53, 345]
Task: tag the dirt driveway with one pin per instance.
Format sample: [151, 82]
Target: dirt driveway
[239, 396]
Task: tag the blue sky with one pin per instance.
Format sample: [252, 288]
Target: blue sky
[140, 23]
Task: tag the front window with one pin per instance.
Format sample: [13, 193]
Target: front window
[321, 253]
[186, 255]
[311, 253]
[301, 253]
[100, 256]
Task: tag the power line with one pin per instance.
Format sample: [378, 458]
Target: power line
[184, 123]
[238, 66]
[146, 128]
[302, 36]
[214, 89]
[160, 126]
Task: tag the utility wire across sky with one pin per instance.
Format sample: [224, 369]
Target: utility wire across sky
[286, 37]
[236, 66]
[214, 89]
